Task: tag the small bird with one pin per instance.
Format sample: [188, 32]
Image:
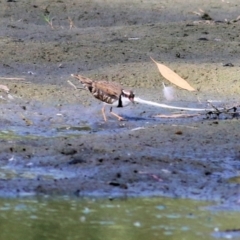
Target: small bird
[110, 93]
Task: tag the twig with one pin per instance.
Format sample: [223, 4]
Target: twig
[71, 24]
[12, 78]
[236, 19]
[69, 82]
[26, 120]
[152, 175]
[199, 99]
[224, 110]
[214, 107]
[177, 115]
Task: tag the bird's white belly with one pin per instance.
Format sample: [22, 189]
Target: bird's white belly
[125, 101]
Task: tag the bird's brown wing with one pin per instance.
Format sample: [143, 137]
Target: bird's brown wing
[111, 88]
[86, 82]
[106, 91]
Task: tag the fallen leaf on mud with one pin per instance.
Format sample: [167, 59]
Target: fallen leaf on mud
[5, 88]
[180, 115]
[171, 76]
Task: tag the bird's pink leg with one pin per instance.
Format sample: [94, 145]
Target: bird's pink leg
[114, 114]
[103, 113]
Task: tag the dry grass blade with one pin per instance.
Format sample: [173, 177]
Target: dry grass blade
[69, 82]
[173, 77]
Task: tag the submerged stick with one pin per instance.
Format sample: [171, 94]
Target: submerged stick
[139, 100]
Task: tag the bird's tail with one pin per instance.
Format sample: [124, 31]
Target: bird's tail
[86, 82]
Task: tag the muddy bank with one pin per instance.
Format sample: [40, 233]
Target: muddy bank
[177, 160]
[53, 139]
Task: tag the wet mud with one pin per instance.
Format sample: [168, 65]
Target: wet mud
[53, 137]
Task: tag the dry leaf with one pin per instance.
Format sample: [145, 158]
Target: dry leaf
[173, 77]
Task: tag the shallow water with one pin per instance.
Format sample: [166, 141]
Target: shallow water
[139, 218]
[42, 121]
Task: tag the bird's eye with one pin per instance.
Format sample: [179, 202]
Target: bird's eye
[131, 95]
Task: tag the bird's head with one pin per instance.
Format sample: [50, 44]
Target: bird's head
[128, 94]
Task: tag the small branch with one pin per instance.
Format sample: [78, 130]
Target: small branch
[71, 24]
[214, 107]
[69, 82]
[177, 115]
[12, 78]
[232, 111]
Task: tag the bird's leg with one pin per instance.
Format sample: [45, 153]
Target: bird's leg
[114, 114]
[103, 113]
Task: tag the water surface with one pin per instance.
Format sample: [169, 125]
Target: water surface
[139, 218]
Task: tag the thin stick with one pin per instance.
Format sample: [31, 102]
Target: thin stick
[215, 108]
[177, 115]
[72, 84]
[199, 99]
[12, 78]
[71, 24]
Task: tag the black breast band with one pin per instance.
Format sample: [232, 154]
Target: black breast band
[120, 101]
